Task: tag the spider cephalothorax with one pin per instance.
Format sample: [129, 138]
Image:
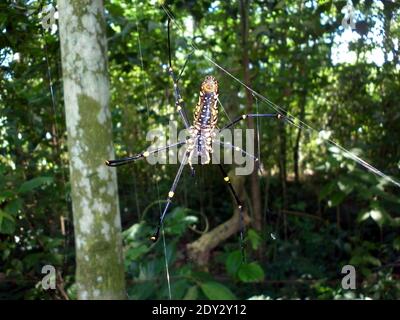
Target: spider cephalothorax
[209, 85]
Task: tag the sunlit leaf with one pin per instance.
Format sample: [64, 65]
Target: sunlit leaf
[216, 291]
[345, 185]
[376, 215]
[192, 293]
[364, 216]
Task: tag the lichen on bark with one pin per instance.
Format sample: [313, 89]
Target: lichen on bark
[97, 225]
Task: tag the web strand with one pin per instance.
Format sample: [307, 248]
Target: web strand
[258, 138]
[223, 108]
[292, 120]
[142, 65]
[166, 263]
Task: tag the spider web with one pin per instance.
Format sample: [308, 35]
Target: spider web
[290, 119]
[259, 99]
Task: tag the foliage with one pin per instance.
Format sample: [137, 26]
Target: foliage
[331, 213]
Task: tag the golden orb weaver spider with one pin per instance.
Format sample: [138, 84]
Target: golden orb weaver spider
[201, 136]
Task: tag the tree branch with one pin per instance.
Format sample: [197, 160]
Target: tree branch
[199, 250]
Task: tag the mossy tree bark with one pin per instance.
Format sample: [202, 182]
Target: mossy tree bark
[100, 271]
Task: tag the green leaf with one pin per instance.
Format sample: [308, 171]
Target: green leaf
[178, 287]
[135, 233]
[179, 220]
[216, 291]
[13, 207]
[376, 214]
[254, 238]
[233, 262]
[133, 253]
[34, 183]
[345, 185]
[192, 293]
[299, 206]
[336, 199]
[251, 272]
[396, 222]
[326, 190]
[363, 216]
[396, 244]
[6, 195]
[7, 223]
[365, 260]
[372, 260]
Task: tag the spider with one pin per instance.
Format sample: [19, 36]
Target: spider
[202, 134]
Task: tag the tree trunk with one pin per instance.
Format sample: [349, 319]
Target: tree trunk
[282, 163]
[296, 151]
[97, 224]
[255, 186]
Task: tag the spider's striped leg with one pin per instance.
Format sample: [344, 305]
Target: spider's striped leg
[177, 95]
[178, 98]
[240, 207]
[253, 115]
[171, 193]
[144, 154]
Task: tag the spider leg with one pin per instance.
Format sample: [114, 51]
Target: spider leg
[254, 115]
[184, 65]
[171, 193]
[177, 95]
[144, 154]
[178, 99]
[240, 207]
[228, 144]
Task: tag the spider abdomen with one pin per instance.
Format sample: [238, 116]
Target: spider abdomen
[199, 145]
[206, 112]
